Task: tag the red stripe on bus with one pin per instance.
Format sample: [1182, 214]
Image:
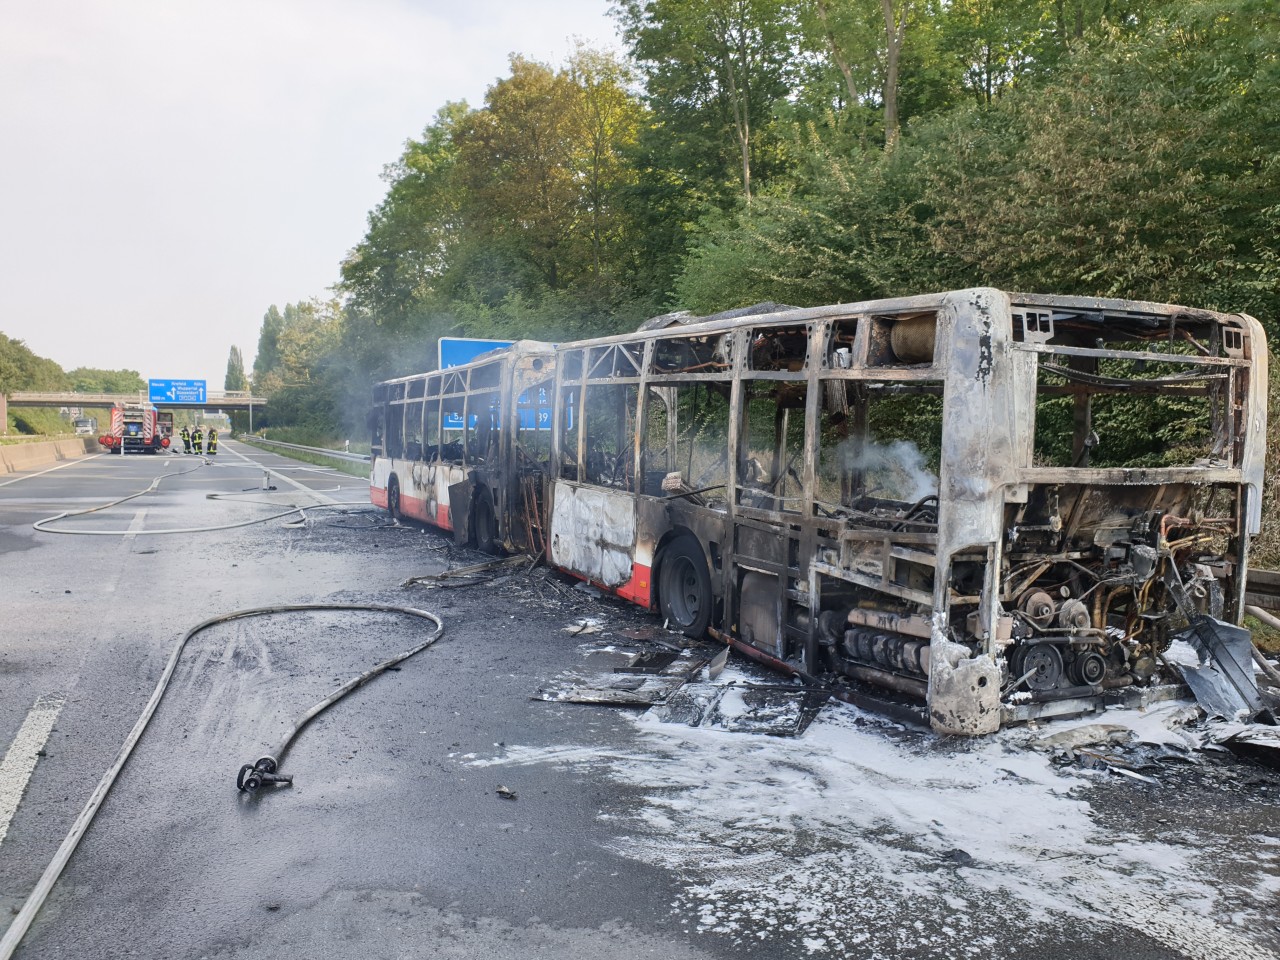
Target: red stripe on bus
[378, 497]
[442, 517]
[638, 589]
[415, 507]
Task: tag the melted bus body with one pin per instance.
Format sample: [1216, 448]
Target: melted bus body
[992, 506]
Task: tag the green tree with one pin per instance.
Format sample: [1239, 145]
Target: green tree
[508, 220]
[20, 369]
[1146, 167]
[1156, 177]
[235, 379]
[517, 165]
[412, 234]
[91, 380]
[311, 387]
[714, 71]
[268, 355]
[609, 120]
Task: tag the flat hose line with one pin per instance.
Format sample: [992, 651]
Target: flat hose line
[44, 525]
[35, 900]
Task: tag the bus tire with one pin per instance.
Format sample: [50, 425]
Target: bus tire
[684, 587]
[393, 499]
[484, 524]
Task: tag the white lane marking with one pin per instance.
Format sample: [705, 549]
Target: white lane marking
[20, 762]
[61, 466]
[134, 526]
[281, 477]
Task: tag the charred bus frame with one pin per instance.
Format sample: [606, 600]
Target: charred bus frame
[767, 478]
[465, 448]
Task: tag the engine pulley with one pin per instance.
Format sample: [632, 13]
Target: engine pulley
[1043, 661]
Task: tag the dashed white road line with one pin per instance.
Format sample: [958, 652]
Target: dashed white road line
[61, 466]
[135, 525]
[281, 477]
[20, 762]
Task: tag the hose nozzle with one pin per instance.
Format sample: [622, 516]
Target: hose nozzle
[254, 775]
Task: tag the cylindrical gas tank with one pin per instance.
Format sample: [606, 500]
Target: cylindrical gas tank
[912, 338]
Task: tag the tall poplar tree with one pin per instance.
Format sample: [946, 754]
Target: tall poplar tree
[235, 379]
[268, 356]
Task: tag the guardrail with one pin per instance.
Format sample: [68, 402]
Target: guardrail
[1262, 589]
[318, 451]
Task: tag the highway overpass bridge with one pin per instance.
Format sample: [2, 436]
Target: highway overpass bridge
[225, 400]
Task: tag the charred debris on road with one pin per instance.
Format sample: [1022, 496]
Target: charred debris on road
[630, 660]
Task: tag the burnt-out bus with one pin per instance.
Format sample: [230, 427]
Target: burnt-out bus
[465, 448]
[982, 506]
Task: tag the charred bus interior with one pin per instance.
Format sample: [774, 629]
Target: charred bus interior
[1124, 524]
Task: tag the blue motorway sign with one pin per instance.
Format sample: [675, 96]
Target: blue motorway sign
[455, 351]
[176, 391]
[533, 410]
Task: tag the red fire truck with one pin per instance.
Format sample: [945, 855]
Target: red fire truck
[135, 428]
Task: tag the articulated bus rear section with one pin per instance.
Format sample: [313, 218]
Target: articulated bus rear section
[982, 507]
[465, 448]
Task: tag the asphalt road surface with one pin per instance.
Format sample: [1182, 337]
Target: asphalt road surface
[626, 837]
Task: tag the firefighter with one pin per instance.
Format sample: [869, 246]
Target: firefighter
[213, 441]
[186, 439]
[197, 439]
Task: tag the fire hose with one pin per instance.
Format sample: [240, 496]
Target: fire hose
[44, 526]
[251, 776]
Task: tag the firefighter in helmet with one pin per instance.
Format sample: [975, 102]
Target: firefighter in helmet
[213, 441]
[197, 439]
[186, 439]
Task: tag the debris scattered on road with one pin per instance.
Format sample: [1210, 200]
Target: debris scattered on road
[506, 793]
[1253, 741]
[471, 573]
[1077, 737]
[717, 663]
[585, 625]
[957, 857]
[622, 690]
[774, 710]
[641, 680]
[670, 683]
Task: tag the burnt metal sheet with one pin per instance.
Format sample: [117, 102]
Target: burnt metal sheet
[767, 709]
[1224, 683]
[643, 681]
[593, 532]
[622, 690]
[652, 662]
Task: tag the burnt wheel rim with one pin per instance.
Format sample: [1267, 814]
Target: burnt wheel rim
[684, 593]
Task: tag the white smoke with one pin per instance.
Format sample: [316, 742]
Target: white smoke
[892, 471]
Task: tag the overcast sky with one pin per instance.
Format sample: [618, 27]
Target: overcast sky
[170, 168]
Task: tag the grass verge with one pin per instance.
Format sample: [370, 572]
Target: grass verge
[319, 459]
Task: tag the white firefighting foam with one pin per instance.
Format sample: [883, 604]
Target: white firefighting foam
[858, 841]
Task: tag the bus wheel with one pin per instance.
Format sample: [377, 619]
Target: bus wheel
[684, 588]
[393, 499]
[484, 525]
